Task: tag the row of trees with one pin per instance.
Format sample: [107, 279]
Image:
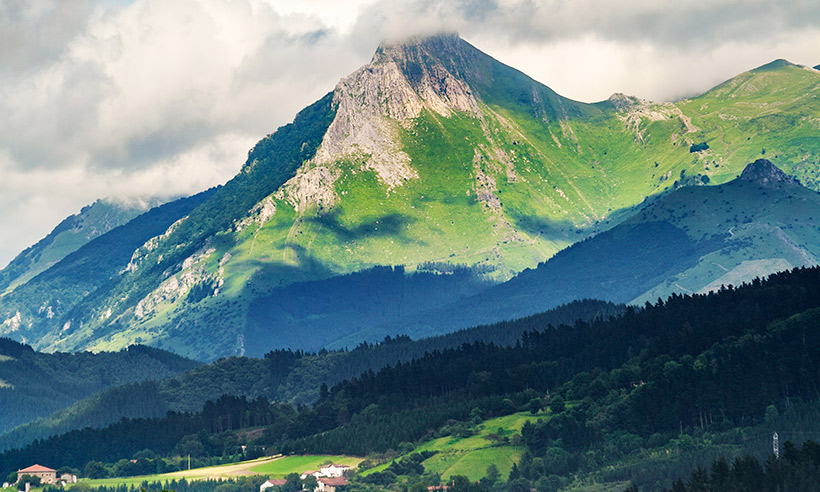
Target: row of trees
[797, 470]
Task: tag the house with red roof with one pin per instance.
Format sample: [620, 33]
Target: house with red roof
[330, 484]
[47, 475]
[273, 482]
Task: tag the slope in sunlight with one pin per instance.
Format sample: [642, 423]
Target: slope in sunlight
[432, 152]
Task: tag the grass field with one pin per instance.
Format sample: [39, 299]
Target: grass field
[470, 456]
[271, 467]
[298, 464]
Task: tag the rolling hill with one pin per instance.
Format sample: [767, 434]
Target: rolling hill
[287, 376]
[34, 384]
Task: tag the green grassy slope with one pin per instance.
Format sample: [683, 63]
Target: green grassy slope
[470, 456]
[694, 239]
[503, 174]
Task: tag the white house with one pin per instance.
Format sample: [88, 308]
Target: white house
[308, 473]
[334, 470]
[66, 478]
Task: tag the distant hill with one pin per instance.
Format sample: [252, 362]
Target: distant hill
[86, 274]
[294, 377]
[693, 239]
[76, 230]
[33, 384]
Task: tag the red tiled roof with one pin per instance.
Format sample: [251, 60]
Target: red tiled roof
[36, 469]
[334, 482]
[277, 481]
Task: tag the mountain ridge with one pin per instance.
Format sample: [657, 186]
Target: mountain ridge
[69, 235]
[433, 152]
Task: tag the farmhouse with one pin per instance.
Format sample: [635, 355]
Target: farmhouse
[330, 484]
[274, 482]
[308, 473]
[334, 470]
[47, 475]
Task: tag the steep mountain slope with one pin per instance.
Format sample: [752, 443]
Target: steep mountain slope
[693, 239]
[76, 230]
[436, 152]
[85, 275]
[34, 384]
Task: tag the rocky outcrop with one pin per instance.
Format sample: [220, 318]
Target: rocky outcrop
[13, 323]
[766, 174]
[260, 214]
[372, 104]
[310, 187]
[633, 111]
[177, 286]
[150, 245]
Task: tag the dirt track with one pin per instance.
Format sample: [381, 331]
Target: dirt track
[225, 471]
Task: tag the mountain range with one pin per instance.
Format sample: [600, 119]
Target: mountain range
[465, 172]
[72, 233]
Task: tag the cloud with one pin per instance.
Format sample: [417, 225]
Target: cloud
[150, 97]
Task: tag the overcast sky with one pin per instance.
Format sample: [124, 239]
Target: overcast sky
[128, 98]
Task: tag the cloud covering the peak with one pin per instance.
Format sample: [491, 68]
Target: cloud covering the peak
[131, 98]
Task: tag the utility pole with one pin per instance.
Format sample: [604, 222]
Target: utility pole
[776, 445]
[189, 461]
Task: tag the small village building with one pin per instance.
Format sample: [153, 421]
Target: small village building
[273, 482]
[330, 484]
[334, 470]
[66, 478]
[308, 473]
[47, 475]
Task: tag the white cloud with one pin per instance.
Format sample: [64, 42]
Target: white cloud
[121, 97]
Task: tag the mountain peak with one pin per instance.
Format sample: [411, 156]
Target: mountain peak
[774, 65]
[395, 48]
[766, 174]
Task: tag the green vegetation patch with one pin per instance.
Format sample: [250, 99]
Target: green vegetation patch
[496, 441]
[299, 464]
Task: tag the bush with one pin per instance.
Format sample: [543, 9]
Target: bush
[698, 147]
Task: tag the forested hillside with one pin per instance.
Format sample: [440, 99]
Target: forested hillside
[86, 274]
[707, 370]
[281, 375]
[34, 384]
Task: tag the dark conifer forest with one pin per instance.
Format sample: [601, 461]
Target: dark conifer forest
[689, 366]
